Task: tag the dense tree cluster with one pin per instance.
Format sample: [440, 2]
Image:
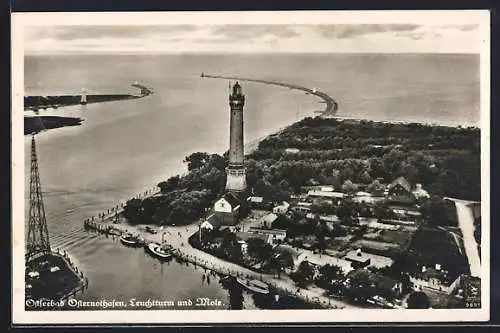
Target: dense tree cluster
[329, 276]
[445, 159]
[344, 154]
[182, 199]
[304, 274]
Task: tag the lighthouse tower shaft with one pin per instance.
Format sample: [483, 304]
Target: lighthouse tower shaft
[236, 176]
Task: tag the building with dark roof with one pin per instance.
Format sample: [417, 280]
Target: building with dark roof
[382, 284]
[400, 192]
[211, 222]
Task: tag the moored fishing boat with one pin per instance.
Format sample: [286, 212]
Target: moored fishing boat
[254, 285]
[161, 251]
[130, 240]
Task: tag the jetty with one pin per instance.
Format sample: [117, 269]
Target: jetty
[36, 102]
[331, 105]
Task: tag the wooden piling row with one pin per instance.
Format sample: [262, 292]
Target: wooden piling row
[118, 209]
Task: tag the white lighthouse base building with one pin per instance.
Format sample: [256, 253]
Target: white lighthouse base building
[236, 179]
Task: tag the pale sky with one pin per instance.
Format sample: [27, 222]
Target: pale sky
[254, 38]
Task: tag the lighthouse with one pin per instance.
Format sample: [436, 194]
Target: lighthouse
[236, 177]
[83, 97]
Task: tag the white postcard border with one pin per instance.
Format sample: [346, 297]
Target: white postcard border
[20, 316]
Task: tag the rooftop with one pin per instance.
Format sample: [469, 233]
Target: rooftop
[268, 231]
[403, 182]
[357, 256]
[327, 194]
[233, 201]
[269, 218]
[379, 280]
[322, 260]
[245, 236]
[255, 199]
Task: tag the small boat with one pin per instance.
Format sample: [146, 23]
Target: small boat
[130, 240]
[114, 232]
[254, 285]
[160, 251]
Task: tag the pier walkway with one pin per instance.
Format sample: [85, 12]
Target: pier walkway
[331, 104]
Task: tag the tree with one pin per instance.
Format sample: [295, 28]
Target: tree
[349, 187]
[258, 248]
[196, 160]
[171, 184]
[304, 274]
[328, 274]
[218, 162]
[214, 180]
[336, 179]
[435, 211]
[377, 169]
[323, 208]
[262, 188]
[381, 210]
[375, 188]
[347, 210]
[361, 290]
[418, 300]
[133, 210]
[281, 261]
[365, 177]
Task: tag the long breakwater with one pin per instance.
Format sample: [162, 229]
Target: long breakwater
[331, 105]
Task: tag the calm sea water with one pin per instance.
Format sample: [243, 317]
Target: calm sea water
[126, 147]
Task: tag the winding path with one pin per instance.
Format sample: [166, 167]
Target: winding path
[331, 104]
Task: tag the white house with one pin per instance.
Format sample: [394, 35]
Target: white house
[243, 238]
[358, 258]
[325, 194]
[227, 209]
[324, 259]
[292, 150]
[302, 207]
[281, 209]
[433, 279]
[327, 188]
[274, 235]
[269, 219]
[419, 192]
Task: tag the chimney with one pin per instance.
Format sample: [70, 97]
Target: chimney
[424, 269]
[438, 267]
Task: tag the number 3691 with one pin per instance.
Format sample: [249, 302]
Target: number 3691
[473, 304]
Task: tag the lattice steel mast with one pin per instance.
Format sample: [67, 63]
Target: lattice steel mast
[38, 234]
